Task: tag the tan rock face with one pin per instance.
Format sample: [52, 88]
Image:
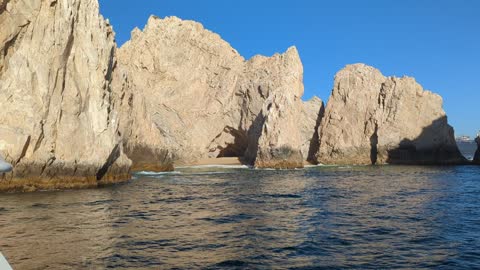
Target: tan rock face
[142, 139]
[194, 96]
[274, 110]
[284, 134]
[184, 77]
[280, 142]
[58, 126]
[374, 119]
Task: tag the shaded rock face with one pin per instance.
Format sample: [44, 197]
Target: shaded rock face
[372, 119]
[191, 96]
[476, 158]
[58, 126]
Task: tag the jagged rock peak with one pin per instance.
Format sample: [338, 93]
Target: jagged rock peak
[175, 29]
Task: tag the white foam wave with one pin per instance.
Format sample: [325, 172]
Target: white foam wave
[207, 173]
[149, 173]
[214, 166]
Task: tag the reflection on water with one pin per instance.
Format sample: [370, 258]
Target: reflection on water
[330, 217]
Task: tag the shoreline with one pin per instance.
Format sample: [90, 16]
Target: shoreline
[226, 161]
[216, 161]
[34, 184]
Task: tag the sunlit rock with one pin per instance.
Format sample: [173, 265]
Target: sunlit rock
[373, 119]
[188, 95]
[58, 127]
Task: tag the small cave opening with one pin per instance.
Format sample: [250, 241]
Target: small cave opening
[236, 148]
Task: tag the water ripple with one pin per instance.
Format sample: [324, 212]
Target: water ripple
[237, 218]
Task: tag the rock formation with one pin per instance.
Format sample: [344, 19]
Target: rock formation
[279, 145]
[372, 119]
[191, 96]
[71, 114]
[476, 158]
[58, 127]
[182, 77]
[289, 134]
[142, 139]
[272, 88]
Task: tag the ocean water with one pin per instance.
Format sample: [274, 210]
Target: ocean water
[372, 217]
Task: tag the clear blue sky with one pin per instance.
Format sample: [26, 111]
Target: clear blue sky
[435, 41]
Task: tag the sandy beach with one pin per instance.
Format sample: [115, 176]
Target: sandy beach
[218, 161]
[227, 161]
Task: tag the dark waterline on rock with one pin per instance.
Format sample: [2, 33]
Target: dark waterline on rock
[322, 218]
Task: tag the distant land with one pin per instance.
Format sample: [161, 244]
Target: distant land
[466, 138]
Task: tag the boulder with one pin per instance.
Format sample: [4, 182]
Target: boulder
[373, 119]
[58, 126]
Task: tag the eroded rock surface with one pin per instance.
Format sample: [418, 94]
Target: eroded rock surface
[142, 140]
[58, 127]
[280, 142]
[185, 77]
[195, 94]
[373, 119]
[178, 94]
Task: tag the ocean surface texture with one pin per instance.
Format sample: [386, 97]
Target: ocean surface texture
[238, 218]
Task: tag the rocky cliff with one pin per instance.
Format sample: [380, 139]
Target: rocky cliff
[373, 119]
[272, 88]
[58, 127]
[72, 113]
[195, 94]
